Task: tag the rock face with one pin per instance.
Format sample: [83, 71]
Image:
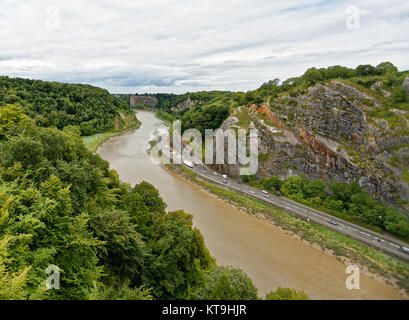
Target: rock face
[187, 104]
[327, 133]
[148, 101]
[406, 85]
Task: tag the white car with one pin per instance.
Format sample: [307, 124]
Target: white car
[264, 191]
[188, 163]
[225, 176]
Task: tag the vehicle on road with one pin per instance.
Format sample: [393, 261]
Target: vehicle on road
[188, 163]
[267, 196]
[264, 191]
[333, 222]
[404, 249]
[225, 182]
[252, 192]
[215, 173]
[224, 176]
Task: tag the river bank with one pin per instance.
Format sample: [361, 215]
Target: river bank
[371, 262]
[270, 256]
[93, 142]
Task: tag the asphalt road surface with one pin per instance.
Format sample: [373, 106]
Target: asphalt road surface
[384, 243]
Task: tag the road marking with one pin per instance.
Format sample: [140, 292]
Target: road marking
[298, 210]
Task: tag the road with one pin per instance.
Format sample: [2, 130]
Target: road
[384, 243]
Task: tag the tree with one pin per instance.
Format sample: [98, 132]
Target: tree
[12, 284]
[121, 293]
[286, 294]
[179, 256]
[271, 183]
[292, 187]
[366, 70]
[10, 116]
[59, 105]
[385, 67]
[312, 75]
[124, 253]
[225, 283]
[150, 196]
[313, 188]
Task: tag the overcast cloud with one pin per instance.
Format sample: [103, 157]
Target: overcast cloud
[177, 46]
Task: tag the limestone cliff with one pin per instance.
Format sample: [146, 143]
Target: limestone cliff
[332, 132]
[148, 101]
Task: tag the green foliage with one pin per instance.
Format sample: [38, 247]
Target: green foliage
[312, 75]
[60, 205]
[286, 294]
[207, 117]
[225, 283]
[365, 75]
[386, 67]
[393, 118]
[121, 293]
[10, 116]
[12, 284]
[405, 176]
[347, 201]
[202, 98]
[271, 183]
[399, 95]
[366, 70]
[53, 104]
[179, 255]
[165, 116]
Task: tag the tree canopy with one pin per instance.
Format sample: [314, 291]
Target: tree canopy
[61, 205]
[53, 104]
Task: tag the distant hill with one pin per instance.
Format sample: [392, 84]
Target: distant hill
[53, 104]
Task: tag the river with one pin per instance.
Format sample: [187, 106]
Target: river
[270, 256]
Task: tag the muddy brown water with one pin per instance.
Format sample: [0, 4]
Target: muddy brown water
[270, 256]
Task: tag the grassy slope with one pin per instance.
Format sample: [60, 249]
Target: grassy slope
[94, 141]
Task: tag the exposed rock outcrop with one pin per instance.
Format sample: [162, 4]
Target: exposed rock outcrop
[328, 134]
[187, 104]
[406, 85]
[148, 101]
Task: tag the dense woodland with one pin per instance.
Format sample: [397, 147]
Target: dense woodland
[61, 205]
[53, 104]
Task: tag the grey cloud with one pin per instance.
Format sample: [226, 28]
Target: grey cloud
[180, 46]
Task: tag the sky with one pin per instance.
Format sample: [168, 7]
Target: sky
[134, 46]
